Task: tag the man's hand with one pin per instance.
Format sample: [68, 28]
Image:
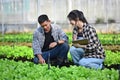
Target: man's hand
[41, 60]
[52, 45]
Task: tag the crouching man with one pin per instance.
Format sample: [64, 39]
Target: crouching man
[49, 39]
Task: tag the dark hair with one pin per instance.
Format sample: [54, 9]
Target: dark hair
[42, 18]
[76, 14]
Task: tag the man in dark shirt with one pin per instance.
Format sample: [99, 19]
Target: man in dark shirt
[49, 39]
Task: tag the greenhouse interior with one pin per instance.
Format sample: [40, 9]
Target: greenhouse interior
[19, 19]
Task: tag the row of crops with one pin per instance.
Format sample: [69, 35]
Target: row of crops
[11, 70]
[26, 52]
[15, 61]
[25, 37]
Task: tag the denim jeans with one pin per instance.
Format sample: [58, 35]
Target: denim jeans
[76, 54]
[78, 59]
[59, 52]
[91, 63]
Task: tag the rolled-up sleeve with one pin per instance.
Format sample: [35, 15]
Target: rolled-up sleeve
[36, 45]
[62, 35]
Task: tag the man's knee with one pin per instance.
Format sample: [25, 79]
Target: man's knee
[64, 46]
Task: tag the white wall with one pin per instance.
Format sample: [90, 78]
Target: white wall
[27, 11]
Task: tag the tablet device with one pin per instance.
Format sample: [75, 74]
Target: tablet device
[81, 41]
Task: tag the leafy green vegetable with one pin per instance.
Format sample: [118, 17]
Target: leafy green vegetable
[11, 70]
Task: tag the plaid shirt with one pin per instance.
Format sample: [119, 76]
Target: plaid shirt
[39, 37]
[94, 48]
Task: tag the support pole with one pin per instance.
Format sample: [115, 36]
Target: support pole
[2, 9]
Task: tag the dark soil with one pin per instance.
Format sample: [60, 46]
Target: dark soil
[18, 44]
[16, 59]
[114, 66]
[113, 48]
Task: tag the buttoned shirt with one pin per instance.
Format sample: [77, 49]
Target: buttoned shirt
[39, 37]
[94, 48]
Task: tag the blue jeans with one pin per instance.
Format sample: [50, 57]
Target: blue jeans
[78, 59]
[76, 54]
[91, 63]
[59, 52]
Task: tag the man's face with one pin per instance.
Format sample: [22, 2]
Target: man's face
[46, 25]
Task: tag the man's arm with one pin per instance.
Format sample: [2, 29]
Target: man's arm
[60, 42]
[62, 36]
[41, 60]
[53, 44]
[36, 48]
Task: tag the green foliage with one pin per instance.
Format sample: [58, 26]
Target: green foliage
[16, 51]
[24, 51]
[11, 70]
[109, 39]
[104, 38]
[112, 57]
[23, 37]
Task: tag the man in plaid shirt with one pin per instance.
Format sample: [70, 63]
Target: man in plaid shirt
[49, 41]
[92, 54]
